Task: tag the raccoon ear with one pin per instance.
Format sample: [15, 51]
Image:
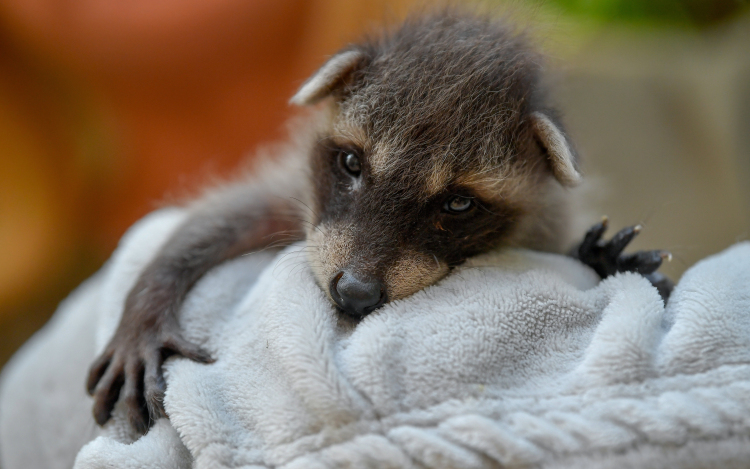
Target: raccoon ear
[330, 76]
[561, 154]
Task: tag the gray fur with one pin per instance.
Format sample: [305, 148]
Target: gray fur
[446, 107]
[446, 102]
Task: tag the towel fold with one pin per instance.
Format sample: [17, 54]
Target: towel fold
[516, 359]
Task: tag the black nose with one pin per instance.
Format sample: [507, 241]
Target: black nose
[357, 296]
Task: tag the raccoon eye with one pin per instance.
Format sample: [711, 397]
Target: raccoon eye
[351, 163]
[458, 204]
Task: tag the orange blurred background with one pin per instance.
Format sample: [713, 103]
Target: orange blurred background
[108, 109]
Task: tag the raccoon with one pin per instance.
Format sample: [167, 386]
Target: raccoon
[429, 144]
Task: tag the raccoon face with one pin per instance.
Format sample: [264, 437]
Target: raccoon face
[435, 151]
[380, 237]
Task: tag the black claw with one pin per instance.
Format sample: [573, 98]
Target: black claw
[96, 372]
[140, 424]
[642, 262]
[106, 394]
[592, 237]
[606, 257]
[137, 412]
[180, 346]
[619, 241]
[154, 387]
[136, 405]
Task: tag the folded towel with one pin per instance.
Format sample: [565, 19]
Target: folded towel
[517, 359]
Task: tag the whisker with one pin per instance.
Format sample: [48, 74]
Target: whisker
[303, 204]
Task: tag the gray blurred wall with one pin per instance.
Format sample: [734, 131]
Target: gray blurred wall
[662, 121]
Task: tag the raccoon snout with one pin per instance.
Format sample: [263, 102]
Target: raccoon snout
[357, 297]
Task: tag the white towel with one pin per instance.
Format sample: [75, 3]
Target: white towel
[517, 359]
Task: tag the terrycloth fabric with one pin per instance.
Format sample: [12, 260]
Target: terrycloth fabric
[518, 359]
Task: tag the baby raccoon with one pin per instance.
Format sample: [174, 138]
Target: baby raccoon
[431, 144]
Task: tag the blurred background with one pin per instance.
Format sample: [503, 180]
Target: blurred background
[110, 109]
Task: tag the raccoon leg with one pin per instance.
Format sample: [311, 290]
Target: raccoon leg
[606, 257]
[225, 224]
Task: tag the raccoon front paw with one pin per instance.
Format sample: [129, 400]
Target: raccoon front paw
[130, 368]
[606, 257]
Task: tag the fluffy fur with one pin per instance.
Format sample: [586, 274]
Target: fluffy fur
[445, 111]
[445, 105]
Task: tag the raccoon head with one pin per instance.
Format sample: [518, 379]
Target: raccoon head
[439, 146]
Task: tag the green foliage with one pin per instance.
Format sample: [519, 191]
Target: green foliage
[679, 12]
